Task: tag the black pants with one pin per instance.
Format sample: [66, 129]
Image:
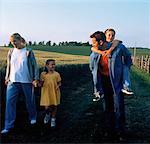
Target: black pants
[113, 120]
[109, 116]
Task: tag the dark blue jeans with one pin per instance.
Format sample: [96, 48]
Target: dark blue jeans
[113, 119]
[13, 90]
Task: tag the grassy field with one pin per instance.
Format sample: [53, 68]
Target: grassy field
[82, 50]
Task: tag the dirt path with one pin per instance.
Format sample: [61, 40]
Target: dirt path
[80, 120]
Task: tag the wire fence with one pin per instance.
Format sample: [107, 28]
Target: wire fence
[142, 62]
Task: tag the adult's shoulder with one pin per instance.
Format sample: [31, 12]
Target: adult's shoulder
[28, 48]
[121, 45]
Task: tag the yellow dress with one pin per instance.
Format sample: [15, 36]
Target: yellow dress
[49, 94]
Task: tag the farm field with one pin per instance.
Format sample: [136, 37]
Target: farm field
[42, 56]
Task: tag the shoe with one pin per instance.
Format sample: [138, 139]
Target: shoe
[96, 99]
[53, 122]
[46, 118]
[4, 131]
[127, 91]
[33, 122]
[98, 96]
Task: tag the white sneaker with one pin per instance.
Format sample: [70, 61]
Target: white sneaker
[127, 91]
[46, 118]
[33, 122]
[4, 131]
[53, 122]
[98, 96]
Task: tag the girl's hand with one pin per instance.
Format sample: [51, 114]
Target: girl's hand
[106, 53]
[40, 83]
[57, 87]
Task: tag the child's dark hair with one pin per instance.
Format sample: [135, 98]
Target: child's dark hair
[99, 35]
[47, 62]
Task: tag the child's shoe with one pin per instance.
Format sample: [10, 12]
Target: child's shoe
[46, 118]
[98, 96]
[53, 122]
[127, 90]
[32, 122]
[4, 131]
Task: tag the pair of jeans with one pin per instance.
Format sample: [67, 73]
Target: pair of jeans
[13, 90]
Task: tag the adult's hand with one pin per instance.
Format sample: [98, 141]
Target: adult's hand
[6, 82]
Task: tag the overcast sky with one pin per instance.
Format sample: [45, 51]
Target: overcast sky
[75, 20]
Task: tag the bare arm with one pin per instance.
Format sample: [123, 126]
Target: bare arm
[95, 49]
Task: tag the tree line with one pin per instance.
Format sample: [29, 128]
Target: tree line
[49, 43]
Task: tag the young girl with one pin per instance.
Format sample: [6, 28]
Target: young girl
[110, 35]
[50, 92]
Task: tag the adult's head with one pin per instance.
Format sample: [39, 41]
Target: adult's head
[16, 40]
[98, 38]
[110, 34]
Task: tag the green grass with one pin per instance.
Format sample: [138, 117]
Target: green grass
[141, 51]
[75, 50]
[140, 82]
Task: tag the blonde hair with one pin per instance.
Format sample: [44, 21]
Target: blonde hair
[16, 36]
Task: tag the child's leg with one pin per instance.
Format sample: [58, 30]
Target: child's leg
[47, 110]
[53, 109]
[126, 81]
[99, 85]
[47, 115]
[98, 90]
[126, 76]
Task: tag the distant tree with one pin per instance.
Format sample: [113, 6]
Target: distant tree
[43, 43]
[60, 44]
[66, 43]
[30, 43]
[54, 44]
[48, 43]
[86, 44]
[40, 43]
[34, 43]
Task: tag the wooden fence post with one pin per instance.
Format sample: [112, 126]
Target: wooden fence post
[148, 65]
[134, 55]
[141, 66]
